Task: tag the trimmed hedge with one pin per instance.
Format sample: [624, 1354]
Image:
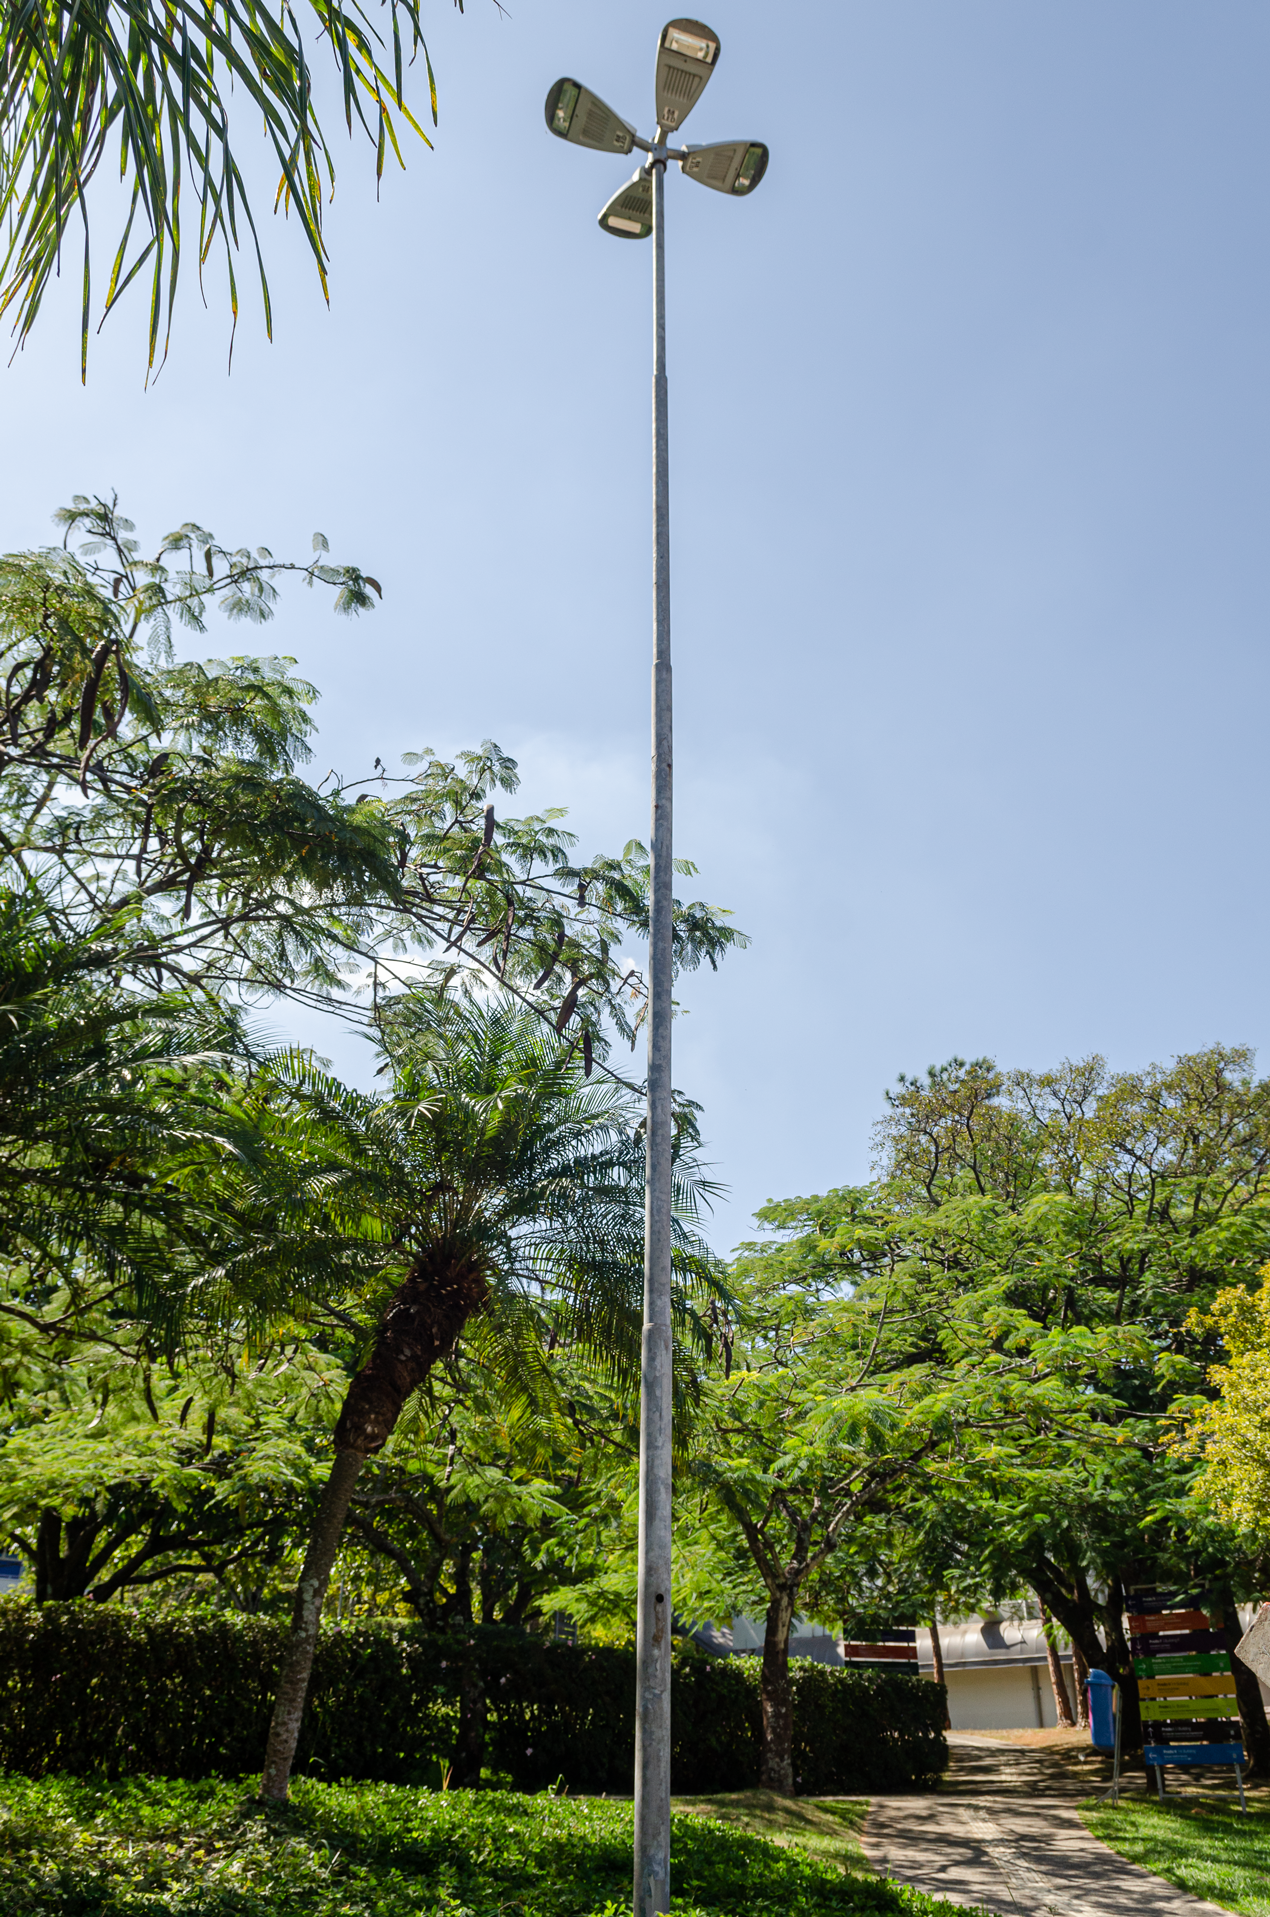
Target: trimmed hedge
[95, 1689]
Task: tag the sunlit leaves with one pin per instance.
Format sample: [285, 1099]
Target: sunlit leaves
[166, 797]
[158, 86]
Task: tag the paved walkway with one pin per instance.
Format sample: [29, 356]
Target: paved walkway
[1003, 1834]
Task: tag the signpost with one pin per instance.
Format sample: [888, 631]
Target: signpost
[884, 1650]
[1186, 1685]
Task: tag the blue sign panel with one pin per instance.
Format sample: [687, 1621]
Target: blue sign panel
[1194, 1754]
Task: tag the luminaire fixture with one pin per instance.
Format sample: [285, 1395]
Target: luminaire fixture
[581, 117]
[629, 214]
[686, 56]
[734, 166]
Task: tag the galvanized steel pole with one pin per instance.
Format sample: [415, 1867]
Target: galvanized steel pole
[652, 1724]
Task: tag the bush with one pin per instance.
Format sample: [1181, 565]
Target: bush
[93, 1689]
[865, 1730]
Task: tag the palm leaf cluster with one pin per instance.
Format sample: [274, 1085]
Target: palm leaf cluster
[494, 1155]
[102, 1096]
[155, 87]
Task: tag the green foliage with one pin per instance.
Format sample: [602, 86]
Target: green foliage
[865, 1730]
[162, 803]
[86, 1689]
[1208, 1848]
[154, 87]
[150, 1849]
[100, 1091]
[114, 1475]
[1232, 1433]
[1061, 1236]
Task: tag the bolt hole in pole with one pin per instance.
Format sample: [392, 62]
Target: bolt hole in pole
[687, 56]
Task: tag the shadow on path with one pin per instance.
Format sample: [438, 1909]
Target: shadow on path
[1002, 1832]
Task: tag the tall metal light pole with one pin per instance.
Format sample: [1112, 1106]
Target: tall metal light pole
[687, 54]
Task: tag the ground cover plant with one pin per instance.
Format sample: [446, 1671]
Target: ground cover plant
[152, 1848]
[1203, 1846]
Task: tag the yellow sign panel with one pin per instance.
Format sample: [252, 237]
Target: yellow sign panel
[1194, 1686]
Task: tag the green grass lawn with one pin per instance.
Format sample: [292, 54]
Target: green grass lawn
[150, 1847]
[826, 1828]
[1203, 1846]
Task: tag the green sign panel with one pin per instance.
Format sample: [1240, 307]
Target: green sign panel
[1192, 1665]
[1188, 1707]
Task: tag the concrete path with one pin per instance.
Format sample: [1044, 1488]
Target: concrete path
[998, 1838]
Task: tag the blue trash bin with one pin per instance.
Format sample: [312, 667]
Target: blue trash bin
[1102, 1719]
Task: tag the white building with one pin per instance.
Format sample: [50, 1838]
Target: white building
[997, 1672]
[995, 1667]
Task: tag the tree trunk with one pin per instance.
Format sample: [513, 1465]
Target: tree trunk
[1058, 1683]
[776, 1771]
[64, 1574]
[1120, 1665]
[937, 1659]
[424, 1317]
[1252, 1712]
[469, 1745]
[1080, 1678]
[293, 1685]
[1075, 1612]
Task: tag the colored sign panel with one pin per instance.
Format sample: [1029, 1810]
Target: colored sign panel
[1186, 1682]
[1218, 1685]
[1214, 1730]
[1156, 1597]
[1181, 1666]
[906, 1652]
[1170, 1621]
[1194, 1754]
[1196, 1707]
[1162, 1644]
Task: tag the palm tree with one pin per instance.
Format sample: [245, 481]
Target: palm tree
[498, 1178]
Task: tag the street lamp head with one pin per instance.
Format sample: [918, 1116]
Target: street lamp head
[576, 114]
[687, 55]
[731, 166]
[629, 214]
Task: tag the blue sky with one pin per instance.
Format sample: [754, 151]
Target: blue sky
[969, 483]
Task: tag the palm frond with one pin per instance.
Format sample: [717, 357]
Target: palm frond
[158, 80]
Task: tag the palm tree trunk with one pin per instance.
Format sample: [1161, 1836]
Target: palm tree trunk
[776, 1771]
[424, 1317]
[293, 1685]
